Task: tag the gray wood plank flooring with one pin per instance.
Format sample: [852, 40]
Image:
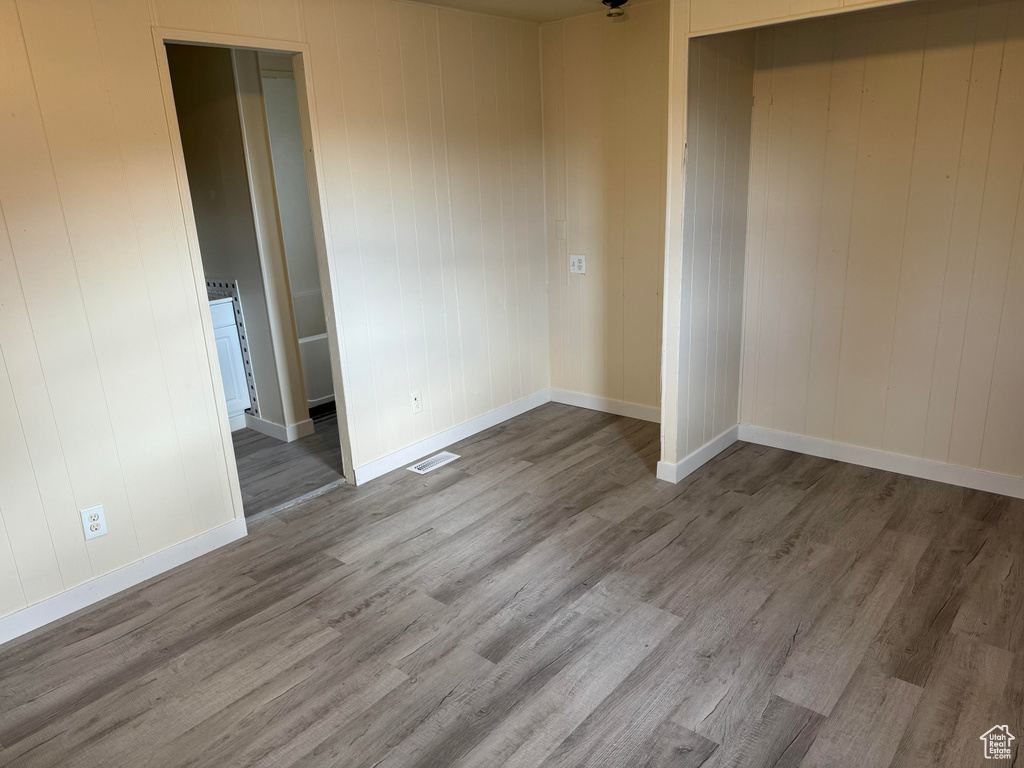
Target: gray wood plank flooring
[271, 473]
[546, 601]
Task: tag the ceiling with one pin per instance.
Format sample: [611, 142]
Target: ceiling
[527, 10]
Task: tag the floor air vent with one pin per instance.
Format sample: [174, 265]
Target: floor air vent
[428, 465]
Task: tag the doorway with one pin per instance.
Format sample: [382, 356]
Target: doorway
[243, 142]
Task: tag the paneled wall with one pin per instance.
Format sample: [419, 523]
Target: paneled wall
[885, 301]
[430, 141]
[106, 395]
[714, 236]
[605, 114]
[482, 261]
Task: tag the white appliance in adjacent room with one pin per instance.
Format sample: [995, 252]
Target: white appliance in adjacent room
[232, 369]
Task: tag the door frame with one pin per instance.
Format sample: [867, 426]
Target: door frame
[318, 206]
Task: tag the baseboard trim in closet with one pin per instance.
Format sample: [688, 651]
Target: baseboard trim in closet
[75, 599]
[675, 473]
[607, 405]
[966, 477]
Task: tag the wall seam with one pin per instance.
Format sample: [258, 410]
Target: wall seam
[415, 223]
[903, 238]
[359, 244]
[501, 196]
[820, 216]
[849, 237]
[512, 185]
[394, 217]
[451, 225]
[945, 268]
[977, 236]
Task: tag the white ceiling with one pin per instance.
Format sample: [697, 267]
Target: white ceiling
[527, 10]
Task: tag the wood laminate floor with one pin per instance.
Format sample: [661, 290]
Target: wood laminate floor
[271, 473]
[545, 601]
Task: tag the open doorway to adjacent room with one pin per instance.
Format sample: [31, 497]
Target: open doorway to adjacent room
[238, 115]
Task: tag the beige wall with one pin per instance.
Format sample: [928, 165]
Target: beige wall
[605, 85]
[435, 224]
[885, 298]
[714, 236]
[481, 259]
[106, 394]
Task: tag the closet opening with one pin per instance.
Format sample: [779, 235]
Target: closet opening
[852, 237]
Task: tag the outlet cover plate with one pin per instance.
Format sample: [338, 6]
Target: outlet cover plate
[94, 522]
[577, 264]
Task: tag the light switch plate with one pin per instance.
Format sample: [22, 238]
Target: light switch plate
[577, 264]
[94, 522]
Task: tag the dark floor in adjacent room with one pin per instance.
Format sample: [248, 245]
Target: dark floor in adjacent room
[272, 473]
[545, 600]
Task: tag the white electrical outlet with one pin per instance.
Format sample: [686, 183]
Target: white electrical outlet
[94, 522]
[417, 402]
[577, 264]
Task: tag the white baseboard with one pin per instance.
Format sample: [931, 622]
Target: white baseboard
[102, 587]
[320, 400]
[237, 422]
[284, 434]
[607, 405]
[675, 473]
[1007, 485]
[408, 455]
